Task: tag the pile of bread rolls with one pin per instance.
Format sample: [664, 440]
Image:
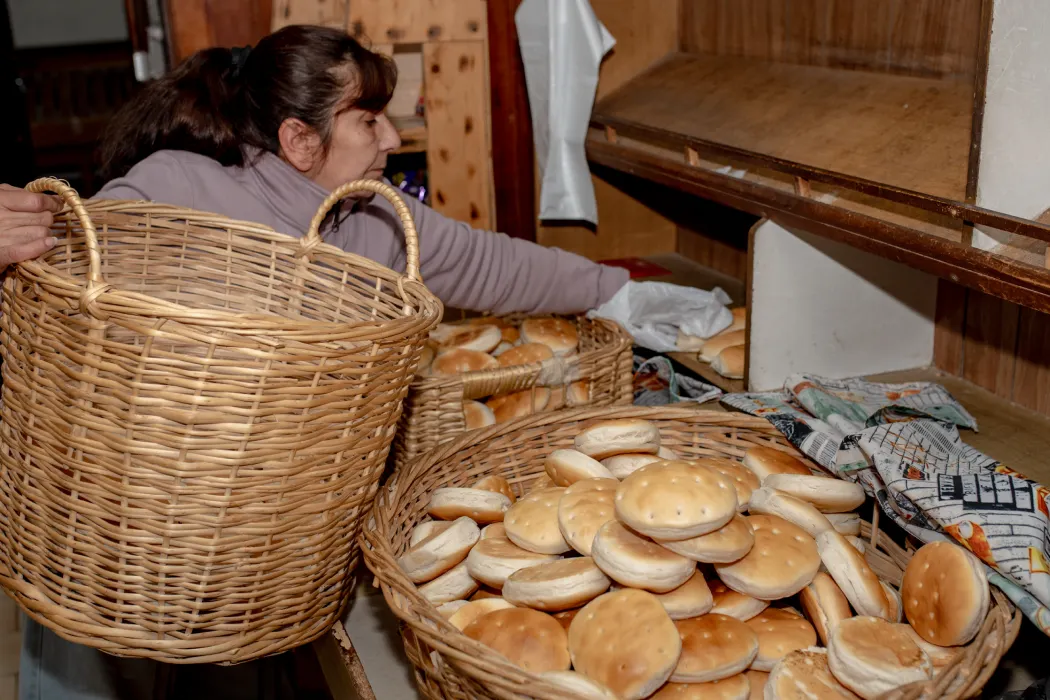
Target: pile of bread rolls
[724, 350]
[629, 573]
[494, 343]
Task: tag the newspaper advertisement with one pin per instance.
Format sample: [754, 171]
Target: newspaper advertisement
[902, 443]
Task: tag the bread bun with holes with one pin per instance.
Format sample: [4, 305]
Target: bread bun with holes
[871, 656]
[764, 461]
[945, 594]
[744, 481]
[805, 675]
[454, 584]
[939, 656]
[779, 633]
[558, 334]
[824, 605]
[496, 483]
[566, 467]
[565, 617]
[727, 544]
[557, 585]
[492, 560]
[532, 522]
[767, 501]
[692, 599]
[477, 415]
[622, 466]
[438, 553]
[449, 609]
[476, 338]
[782, 562]
[845, 523]
[853, 575]
[527, 354]
[729, 602]
[713, 647]
[519, 404]
[671, 501]
[634, 561]
[736, 687]
[479, 505]
[474, 609]
[584, 507]
[456, 362]
[625, 641]
[531, 639]
[719, 342]
[757, 679]
[426, 529]
[828, 495]
[486, 592]
[622, 436]
[578, 684]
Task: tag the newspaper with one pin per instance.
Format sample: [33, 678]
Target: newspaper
[902, 443]
[657, 384]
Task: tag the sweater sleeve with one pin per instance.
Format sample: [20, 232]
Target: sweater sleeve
[158, 178]
[478, 270]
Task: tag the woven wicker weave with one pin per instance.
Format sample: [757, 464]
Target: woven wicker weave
[434, 407]
[196, 412]
[450, 665]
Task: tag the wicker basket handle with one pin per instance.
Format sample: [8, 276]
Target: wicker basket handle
[73, 201]
[313, 236]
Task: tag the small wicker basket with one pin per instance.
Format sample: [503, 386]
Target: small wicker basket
[196, 413]
[434, 407]
[450, 665]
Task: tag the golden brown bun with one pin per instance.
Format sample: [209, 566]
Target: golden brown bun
[479, 505]
[492, 560]
[622, 466]
[767, 501]
[496, 483]
[692, 599]
[719, 342]
[474, 609]
[527, 354]
[871, 656]
[827, 494]
[730, 362]
[426, 529]
[804, 675]
[713, 647]
[493, 530]
[757, 679]
[485, 592]
[625, 641]
[531, 639]
[519, 403]
[736, 687]
[426, 358]
[853, 575]
[579, 393]
[729, 602]
[824, 605]
[449, 609]
[566, 467]
[580, 685]
[945, 594]
[532, 522]
[739, 318]
[727, 544]
[558, 334]
[632, 560]
[583, 509]
[557, 585]
[782, 562]
[565, 617]
[614, 437]
[675, 500]
[456, 362]
[440, 552]
[477, 415]
[743, 479]
[779, 633]
[763, 461]
[454, 584]
[939, 656]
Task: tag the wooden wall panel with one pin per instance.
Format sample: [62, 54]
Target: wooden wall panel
[199, 24]
[710, 252]
[990, 343]
[457, 107]
[910, 36]
[418, 21]
[327, 13]
[645, 32]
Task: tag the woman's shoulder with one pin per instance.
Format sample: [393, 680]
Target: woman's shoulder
[164, 176]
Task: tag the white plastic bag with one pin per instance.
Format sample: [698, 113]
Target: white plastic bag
[654, 312]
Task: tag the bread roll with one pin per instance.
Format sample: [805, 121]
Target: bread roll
[853, 575]
[493, 530]
[426, 529]
[625, 641]
[578, 684]
[824, 605]
[566, 467]
[615, 437]
[557, 585]
[845, 523]
[519, 404]
[893, 597]
[729, 602]
[532, 522]
[622, 466]
[939, 656]
[782, 562]
[763, 461]
[945, 594]
[426, 358]
[479, 505]
[474, 609]
[558, 334]
[449, 609]
[736, 687]
[578, 393]
[531, 639]
[770, 502]
[688, 343]
[730, 362]
[455, 362]
[634, 561]
[675, 500]
[454, 584]
[739, 319]
[584, 507]
[440, 552]
[713, 647]
[779, 633]
[477, 415]
[757, 679]
[871, 656]
[486, 592]
[743, 479]
[527, 354]
[492, 560]
[727, 544]
[721, 341]
[805, 674]
[828, 495]
[692, 599]
[497, 483]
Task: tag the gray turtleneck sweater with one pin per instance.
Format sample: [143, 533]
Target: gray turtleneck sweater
[466, 268]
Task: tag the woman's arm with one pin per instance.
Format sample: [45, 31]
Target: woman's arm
[480, 270]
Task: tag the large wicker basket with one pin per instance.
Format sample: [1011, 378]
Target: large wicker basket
[450, 665]
[434, 407]
[196, 413]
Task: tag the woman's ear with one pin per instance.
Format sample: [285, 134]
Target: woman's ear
[300, 145]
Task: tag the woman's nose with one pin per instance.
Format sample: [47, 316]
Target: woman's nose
[389, 139]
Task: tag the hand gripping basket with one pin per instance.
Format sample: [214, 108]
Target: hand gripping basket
[449, 664]
[196, 413]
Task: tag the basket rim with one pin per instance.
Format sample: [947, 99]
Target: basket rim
[1002, 620]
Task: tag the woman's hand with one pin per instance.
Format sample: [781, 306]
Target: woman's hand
[25, 221]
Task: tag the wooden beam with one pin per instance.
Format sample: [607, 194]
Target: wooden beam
[200, 24]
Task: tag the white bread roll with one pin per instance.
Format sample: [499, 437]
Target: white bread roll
[633, 561]
[480, 338]
[449, 609]
[729, 602]
[675, 500]
[945, 594]
[566, 467]
[479, 505]
[519, 404]
[527, 354]
[440, 552]
[736, 687]
[824, 605]
[719, 342]
[779, 633]
[804, 674]
[497, 483]
[713, 647]
[558, 334]
[871, 656]
[692, 599]
[896, 604]
[583, 509]
[578, 684]
[454, 584]
[769, 502]
[730, 362]
[462, 617]
[615, 437]
[494, 530]
[727, 544]
[557, 585]
[492, 560]
[455, 362]
[477, 415]
[426, 529]
[532, 522]
[828, 495]
[782, 562]
[763, 461]
[853, 575]
[744, 480]
[845, 523]
[622, 466]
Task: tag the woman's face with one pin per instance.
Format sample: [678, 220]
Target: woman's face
[361, 141]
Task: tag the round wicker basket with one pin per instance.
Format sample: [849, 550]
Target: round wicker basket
[196, 413]
[450, 665]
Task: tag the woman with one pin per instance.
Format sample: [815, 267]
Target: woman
[264, 135]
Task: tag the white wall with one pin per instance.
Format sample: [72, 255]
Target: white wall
[36, 23]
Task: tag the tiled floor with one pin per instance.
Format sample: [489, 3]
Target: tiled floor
[10, 644]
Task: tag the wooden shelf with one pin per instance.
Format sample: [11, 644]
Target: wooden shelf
[909, 132]
[413, 132]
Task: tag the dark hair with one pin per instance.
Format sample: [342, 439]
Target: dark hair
[221, 102]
